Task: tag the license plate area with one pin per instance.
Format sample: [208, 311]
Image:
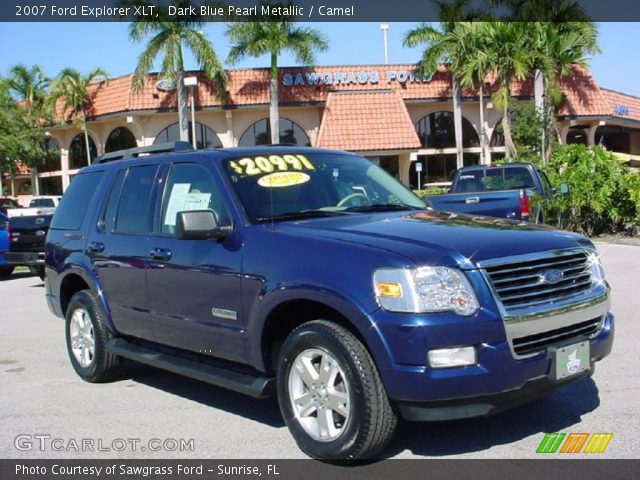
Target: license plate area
[569, 360]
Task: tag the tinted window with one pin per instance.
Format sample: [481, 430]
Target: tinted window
[42, 202]
[134, 210]
[108, 220]
[494, 179]
[190, 187]
[76, 200]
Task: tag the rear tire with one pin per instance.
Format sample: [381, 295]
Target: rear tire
[330, 394]
[86, 335]
[38, 271]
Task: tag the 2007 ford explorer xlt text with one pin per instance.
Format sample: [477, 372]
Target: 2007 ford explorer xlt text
[314, 275]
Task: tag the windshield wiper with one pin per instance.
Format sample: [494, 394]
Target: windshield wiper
[299, 215]
[381, 207]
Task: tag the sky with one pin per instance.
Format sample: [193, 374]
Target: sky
[84, 46]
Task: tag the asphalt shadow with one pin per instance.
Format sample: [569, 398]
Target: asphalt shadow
[16, 276]
[265, 411]
[555, 412]
[560, 410]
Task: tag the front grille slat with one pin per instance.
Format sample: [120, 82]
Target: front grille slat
[513, 279]
[538, 342]
[519, 285]
[550, 264]
[537, 283]
[548, 291]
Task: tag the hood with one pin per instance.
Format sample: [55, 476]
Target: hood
[439, 238]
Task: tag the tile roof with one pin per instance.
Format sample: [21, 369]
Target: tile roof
[622, 105]
[366, 120]
[300, 85]
[583, 96]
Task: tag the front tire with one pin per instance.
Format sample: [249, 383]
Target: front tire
[330, 394]
[86, 335]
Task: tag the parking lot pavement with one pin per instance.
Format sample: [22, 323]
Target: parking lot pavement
[43, 402]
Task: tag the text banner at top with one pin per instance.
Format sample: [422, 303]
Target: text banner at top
[301, 10]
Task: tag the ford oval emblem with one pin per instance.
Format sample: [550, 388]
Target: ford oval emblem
[551, 277]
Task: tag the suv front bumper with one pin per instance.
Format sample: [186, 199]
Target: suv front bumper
[498, 381]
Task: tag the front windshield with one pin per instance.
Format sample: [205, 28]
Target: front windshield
[290, 186]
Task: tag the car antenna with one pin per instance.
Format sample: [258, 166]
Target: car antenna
[271, 212]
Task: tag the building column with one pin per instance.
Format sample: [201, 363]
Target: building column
[591, 139]
[404, 167]
[229, 141]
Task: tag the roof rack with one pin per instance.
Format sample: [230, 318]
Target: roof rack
[136, 152]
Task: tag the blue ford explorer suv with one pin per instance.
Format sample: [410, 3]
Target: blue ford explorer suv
[315, 276]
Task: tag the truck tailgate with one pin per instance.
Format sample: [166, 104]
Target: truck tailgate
[28, 233]
[502, 204]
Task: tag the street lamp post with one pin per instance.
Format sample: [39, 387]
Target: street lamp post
[192, 82]
[385, 28]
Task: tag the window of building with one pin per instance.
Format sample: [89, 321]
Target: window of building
[78, 152]
[497, 137]
[577, 135]
[120, 138]
[205, 137]
[260, 134]
[51, 186]
[51, 162]
[614, 138]
[437, 130]
[439, 168]
[134, 210]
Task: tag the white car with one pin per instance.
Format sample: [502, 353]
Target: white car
[42, 205]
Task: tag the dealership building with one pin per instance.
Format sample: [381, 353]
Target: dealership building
[386, 113]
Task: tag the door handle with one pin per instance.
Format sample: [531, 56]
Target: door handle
[160, 254]
[95, 247]
[472, 200]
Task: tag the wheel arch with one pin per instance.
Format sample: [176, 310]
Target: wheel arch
[76, 279]
[282, 316]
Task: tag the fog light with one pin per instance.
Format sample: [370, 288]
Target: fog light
[452, 357]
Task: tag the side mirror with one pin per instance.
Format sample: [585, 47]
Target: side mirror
[199, 225]
[564, 189]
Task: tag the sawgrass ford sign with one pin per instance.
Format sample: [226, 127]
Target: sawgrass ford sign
[355, 77]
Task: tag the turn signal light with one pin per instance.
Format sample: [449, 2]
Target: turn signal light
[385, 289]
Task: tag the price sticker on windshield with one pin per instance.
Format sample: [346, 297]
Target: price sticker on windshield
[263, 165]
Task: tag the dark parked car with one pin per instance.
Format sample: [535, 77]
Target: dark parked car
[5, 268]
[314, 275]
[7, 203]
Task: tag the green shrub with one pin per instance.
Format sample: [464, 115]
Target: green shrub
[428, 191]
[604, 197]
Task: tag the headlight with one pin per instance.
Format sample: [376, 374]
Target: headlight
[424, 289]
[597, 272]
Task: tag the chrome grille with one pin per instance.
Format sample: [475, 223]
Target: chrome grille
[538, 342]
[520, 284]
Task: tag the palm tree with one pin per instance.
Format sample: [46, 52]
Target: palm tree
[509, 56]
[471, 63]
[444, 45]
[564, 36]
[28, 85]
[77, 91]
[170, 36]
[272, 36]
[560, 46]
